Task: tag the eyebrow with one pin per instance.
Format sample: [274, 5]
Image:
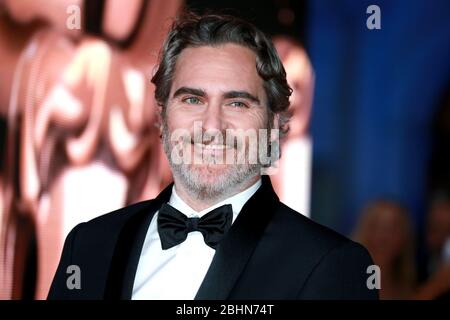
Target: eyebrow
[241, 94]
[226, 95]
[186, 90]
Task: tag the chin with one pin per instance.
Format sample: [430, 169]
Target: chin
[210, 173]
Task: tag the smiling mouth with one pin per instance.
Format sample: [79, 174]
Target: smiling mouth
[212, 146]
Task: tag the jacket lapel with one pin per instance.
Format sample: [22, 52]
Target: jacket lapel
[128, 249]
[237, 246]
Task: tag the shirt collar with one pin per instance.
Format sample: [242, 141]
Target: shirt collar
[237, 202]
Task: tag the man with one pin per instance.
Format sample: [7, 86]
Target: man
[219, 232]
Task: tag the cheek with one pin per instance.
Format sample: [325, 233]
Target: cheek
[255, 119]
[175, 121]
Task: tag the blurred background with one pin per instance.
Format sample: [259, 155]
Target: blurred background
[368, 153]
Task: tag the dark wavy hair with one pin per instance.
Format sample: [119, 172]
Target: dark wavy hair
[191, 30]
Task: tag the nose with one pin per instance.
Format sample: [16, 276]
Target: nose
[213, 118]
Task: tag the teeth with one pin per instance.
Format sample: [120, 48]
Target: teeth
[212, 146]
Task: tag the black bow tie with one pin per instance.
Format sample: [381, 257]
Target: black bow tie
[174, 226]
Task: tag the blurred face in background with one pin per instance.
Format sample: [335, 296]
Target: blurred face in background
[386, 232]
[438, 227]
[300, 76]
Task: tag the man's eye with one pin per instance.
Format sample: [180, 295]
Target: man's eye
[238, 104]
[192, 100]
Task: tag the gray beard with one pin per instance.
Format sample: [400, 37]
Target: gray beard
[225, 184]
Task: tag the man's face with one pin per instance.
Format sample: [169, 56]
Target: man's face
[218, 89]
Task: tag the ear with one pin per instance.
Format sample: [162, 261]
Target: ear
[274, 134]
[275, 121]
[159, 119]
[273, 150]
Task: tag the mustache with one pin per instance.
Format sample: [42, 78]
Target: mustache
[237, 139]
[231, 141]
[233, 144]
[211, 138]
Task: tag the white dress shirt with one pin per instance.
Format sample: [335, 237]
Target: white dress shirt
[177, 273]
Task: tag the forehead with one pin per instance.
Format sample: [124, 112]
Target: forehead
[218, 69]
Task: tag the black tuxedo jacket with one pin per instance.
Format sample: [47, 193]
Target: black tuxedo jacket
[270, 252]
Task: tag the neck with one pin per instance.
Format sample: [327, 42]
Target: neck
[198, 204]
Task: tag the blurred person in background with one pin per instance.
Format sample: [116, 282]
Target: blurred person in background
[292, 180]
[437, 283]
[438, 233]
[384, 228]
[79, 112]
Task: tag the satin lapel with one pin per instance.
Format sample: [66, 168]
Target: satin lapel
[128, 249]
[237, 246]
